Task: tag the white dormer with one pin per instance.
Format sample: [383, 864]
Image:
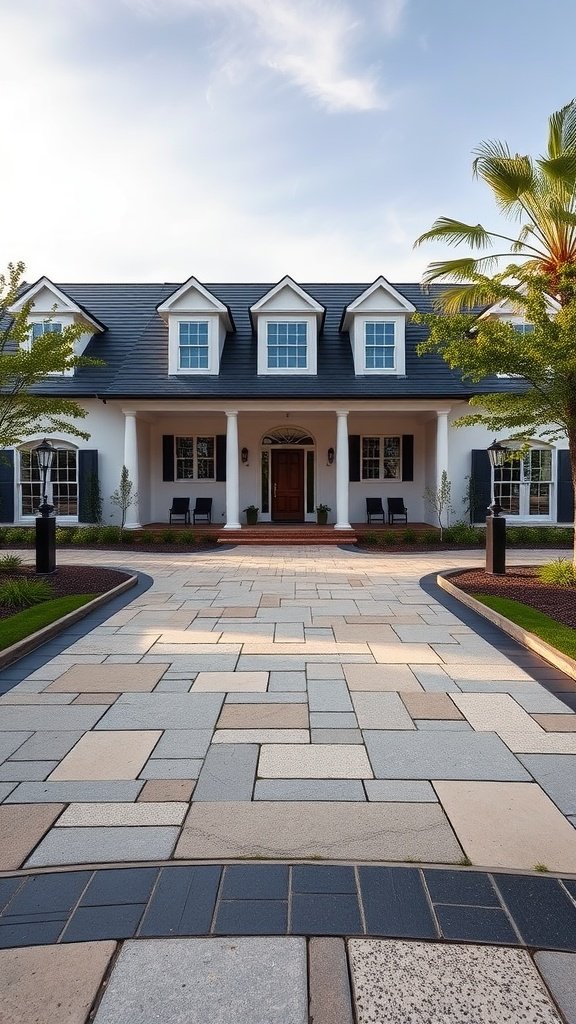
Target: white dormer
[376, 321]
[52, 309]
[197, 325]
[287, 320]
[513, 313]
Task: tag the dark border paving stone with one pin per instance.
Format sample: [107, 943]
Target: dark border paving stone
[325, 914]
[476, 924]
[48, 894]
[117, 922]
[570, 884]
[461, 887]
[126, 885]
[183, 902]
[395, 903]
[252, 917]
[543, 912]
[559, 973]
[257, 882]
[323, 879]
[41, 933]
[8, 887]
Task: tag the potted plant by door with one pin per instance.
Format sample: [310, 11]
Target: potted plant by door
[322, 514]
[251, 514]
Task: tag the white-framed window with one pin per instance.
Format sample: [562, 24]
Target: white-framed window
[195, 458]
[287, 345]
[523, 486]
[193, 345]
[379, 345]
[381, 458]
[61, 486]
[37, 330]
[523, 328]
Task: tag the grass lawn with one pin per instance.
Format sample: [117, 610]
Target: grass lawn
[22, 624]
[563, 638]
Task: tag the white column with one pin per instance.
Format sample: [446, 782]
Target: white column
[441, 446]
[232, 485]
[131, 463]
[342, 472]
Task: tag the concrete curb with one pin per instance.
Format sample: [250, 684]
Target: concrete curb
[30, 643]
[527, 639]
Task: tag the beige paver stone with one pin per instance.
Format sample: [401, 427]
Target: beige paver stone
[318, 761]
[108, 755]
[261, 736]
[22, 826]
[381, 677]
[508, 825]
[96, 698]
[232, 682]
[404, 654]
[162, 790]
[52, 984]
[365, 632]
[269, 601]
[189, 636]
[500, 672]
[263, 716]
[334, 831]
[556, 723]
[431, 705]
[238, 612]
[109, 679]
[109, 814]
[375, 620]
[499, 712]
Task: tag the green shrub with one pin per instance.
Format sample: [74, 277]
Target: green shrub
[369, 538]
[409, 536]
[187, 537]
[429, 537]
[109, 535]
[64, 535]
[560, 573]
[524, 535]
[3, 532]
[564, 536]
[24, 593]
[9, 563]
[18, 535]
[85, 535]
[461, 533]
[168, 537]
[128, 537]
[542, 535]
[145, 537]
[388, 539]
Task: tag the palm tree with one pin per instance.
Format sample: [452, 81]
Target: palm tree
[540, 195]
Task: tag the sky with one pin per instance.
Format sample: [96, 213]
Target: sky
[241, 140]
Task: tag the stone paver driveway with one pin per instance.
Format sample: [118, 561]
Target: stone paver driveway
[286, 703]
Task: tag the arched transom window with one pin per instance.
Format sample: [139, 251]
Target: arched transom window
[287, 435]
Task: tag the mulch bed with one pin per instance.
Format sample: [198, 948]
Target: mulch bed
[522, 584]
[70, 579]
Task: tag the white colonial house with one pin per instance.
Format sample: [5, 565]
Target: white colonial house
[281, 396]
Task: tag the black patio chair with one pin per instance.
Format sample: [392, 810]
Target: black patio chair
[397, 510]
[374, 509]
[202, 510]
[180, 508]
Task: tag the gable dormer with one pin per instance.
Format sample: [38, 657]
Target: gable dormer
[52, 309]
[287, 321]
[197, 325]
[376, 322]
[512, 313]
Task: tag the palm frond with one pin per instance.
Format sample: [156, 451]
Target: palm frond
[456, 232]
[510, 177]
[464, 269]
[561, 170]
[463, 298]
[562, 131]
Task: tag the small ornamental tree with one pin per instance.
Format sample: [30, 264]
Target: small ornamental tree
[440, 498]
[24, 366]
[124, 497]
[533, 270]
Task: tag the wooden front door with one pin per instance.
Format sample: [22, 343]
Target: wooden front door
[288, 486]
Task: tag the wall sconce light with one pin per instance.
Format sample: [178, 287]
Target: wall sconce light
[244, 456]
[330, 456]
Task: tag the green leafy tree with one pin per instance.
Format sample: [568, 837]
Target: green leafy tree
[23, 366]
[124, 497]
[534, 270]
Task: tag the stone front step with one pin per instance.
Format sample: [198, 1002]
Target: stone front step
[308, 534]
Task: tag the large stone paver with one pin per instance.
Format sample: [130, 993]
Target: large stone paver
[107, 755]
[208, 981]
[108, 678]
[21, 827]
[104, 845]
[163, 711]
[420, 755]
[52, 984]
[400, 982]
[559, 973]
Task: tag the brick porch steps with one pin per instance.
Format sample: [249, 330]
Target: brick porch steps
[308, 533]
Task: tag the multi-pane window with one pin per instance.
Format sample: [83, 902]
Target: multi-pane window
[523, 486]
[380, 345]
[381, 458]
[523, 328]
[287, 345]
[195, 458]
[193, 345]
[46, 327]
[61, 487]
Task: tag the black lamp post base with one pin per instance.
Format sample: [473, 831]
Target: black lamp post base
[496, 545]
[45, 545]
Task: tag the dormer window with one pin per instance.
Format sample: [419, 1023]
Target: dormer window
[379, 345]
[287, 345]
[193, 345]
[197, 325]
[44, 327]
[287, 321]
[523, 328]
[376, 322]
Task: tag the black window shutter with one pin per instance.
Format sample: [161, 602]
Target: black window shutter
[87, 483]
[221, 457]
[7, 486]
[480, 484]
[407, 456]
[354, 457]
[168, 456]
[565, 512]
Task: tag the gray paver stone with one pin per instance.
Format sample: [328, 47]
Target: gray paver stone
[420, 755]
[75, 792]
[171, 768]
[5, 789]
[441, 725]
[47, 745]
[10, 741]
[163, 711]
[333, 720]
[196, 981]
[556, 774]
[26, 771]
[104, 845]
[330, 1001]
[328, 695]
[401, 791]
[279, 697]
[228, 773]
[380, 710]
[336, 736]
[183, 743]
[559, 973]
[77, 717]
[287, 681]
[309, 789]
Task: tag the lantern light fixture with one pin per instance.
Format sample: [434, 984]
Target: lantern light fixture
[330, 456]
[244, 456]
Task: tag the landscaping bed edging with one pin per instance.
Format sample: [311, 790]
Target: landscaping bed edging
[30, 643]
[523, 636]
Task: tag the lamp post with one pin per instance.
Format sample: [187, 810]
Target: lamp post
[45, 520]
[495, 522]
